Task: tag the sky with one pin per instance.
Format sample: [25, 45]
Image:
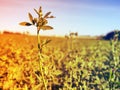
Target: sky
[87, 17]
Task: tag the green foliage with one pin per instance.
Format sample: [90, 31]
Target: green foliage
[114, 76]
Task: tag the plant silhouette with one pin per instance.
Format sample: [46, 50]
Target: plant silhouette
[41, 24]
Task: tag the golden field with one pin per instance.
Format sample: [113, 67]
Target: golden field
[68, 64]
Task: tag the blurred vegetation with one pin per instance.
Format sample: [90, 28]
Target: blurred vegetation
[89, 65]
[110, 35]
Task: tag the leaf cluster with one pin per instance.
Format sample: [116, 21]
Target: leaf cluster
[40, 22]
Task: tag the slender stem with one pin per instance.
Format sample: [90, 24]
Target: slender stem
[39, 55]
[38, 39]
[39, 59]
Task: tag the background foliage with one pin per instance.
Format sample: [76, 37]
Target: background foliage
[88, 65]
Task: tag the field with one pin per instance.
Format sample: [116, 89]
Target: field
[67, 64]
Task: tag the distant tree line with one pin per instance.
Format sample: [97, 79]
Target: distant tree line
[17, 33]
[8, 32]
[110, 35]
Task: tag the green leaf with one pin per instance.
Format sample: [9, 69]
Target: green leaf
[47, 14]
[46, 27]
[31, 18]
[25, 24]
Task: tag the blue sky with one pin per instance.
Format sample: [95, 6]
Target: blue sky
[87, 17]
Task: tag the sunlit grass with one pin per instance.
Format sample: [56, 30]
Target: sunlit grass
[87, 66]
